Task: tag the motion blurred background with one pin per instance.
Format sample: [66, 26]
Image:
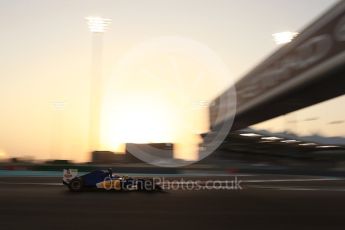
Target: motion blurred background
[50, 60]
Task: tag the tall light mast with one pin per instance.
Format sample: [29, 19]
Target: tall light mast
[97, 27]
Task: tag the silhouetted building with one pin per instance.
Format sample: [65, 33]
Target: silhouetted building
[106, 157]
[151, 150]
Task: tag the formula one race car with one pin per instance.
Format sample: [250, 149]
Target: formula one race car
[105, 179]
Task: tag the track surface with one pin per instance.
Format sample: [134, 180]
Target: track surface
[265, 202]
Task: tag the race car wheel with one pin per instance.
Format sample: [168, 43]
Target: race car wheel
[76, 185]
[150, 186]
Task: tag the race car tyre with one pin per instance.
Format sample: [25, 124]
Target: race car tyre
[158, 188]
[140, 186]
[76, 185]
[150, 186]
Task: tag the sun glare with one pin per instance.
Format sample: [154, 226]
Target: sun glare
[159, 93]
[137, 120]
[3, 154]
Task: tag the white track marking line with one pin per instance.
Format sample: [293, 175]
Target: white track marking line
[177, 182]
[292, 180]
[299, 188]
[252, 181]
[29, 183]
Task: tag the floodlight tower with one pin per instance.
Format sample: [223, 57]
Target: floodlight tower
[97, 26]
[284, 37]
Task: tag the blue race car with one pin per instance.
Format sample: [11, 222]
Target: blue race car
[105, 179]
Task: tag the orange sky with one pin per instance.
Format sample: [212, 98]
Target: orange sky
[46, 55]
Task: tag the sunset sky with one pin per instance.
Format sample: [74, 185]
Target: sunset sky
[46, 65]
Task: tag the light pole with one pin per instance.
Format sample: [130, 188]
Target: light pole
[97, 26]
[56, 128]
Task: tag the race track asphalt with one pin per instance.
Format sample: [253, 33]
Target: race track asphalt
[264, 202]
